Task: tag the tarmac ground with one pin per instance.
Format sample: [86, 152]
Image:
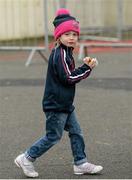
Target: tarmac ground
[103, 105]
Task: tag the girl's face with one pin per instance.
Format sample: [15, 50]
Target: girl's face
[69, 39]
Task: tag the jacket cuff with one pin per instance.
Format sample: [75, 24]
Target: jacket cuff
[87, 67]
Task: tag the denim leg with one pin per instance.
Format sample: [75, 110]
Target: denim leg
[76, 139]
[55, 124]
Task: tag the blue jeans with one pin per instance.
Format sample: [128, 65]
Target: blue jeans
[56, 123]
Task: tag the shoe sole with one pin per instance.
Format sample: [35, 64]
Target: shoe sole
[92, 173]
[76, 173]
[17, 164]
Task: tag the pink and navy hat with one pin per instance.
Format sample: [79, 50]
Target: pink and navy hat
[64, 22]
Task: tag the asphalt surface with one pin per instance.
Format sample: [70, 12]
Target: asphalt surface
[103, 106]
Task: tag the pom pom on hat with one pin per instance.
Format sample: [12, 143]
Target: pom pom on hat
[64, 22]
[62, 11]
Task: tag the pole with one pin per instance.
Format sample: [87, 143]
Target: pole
[46, 39]
[119, 18]
[62, 3]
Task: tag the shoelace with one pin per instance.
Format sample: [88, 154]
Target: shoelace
[29, 166]
[89, 166]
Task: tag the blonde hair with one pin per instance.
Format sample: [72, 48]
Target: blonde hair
[57, 42]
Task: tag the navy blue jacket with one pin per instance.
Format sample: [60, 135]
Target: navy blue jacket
[61, 80]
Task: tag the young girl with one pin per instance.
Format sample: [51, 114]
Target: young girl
[58, 99]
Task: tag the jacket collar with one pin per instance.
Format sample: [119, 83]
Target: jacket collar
[68, 49]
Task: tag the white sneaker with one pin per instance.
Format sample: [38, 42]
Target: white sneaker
[26, 165]
[87, 168]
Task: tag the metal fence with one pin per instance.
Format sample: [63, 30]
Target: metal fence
[103, 17]
[24, 23]
[103, 23]
[24, 26]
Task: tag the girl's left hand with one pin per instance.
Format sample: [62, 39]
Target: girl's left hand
[92, 62]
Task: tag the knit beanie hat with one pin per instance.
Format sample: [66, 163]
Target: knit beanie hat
[64, 22]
